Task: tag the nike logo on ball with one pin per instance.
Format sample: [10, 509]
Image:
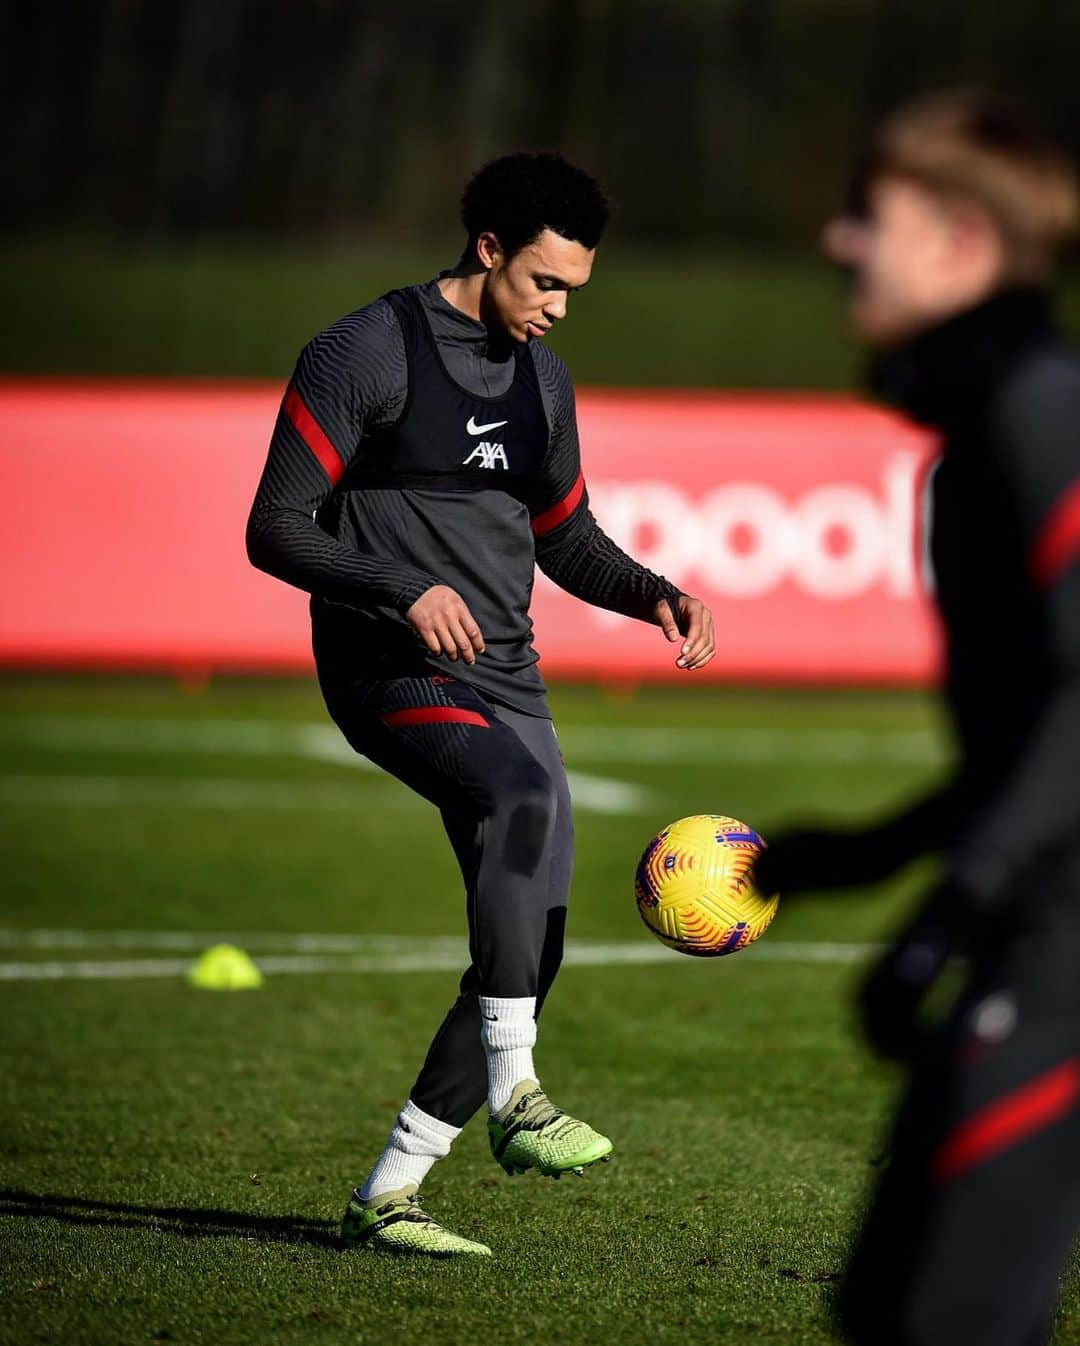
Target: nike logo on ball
[475, 429]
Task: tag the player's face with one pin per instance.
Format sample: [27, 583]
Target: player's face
[913, 259]
[526, 294]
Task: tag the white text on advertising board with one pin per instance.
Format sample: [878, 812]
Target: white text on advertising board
[837, 540]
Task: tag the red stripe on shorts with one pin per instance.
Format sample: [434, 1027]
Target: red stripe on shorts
[1057, 543]
[313, 435]
[551, 518]
[1009, 1120]
[433, 715]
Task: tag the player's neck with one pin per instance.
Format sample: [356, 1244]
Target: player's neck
[464, 289]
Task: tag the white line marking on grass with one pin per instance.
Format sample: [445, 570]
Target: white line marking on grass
[127, 968]
[592, 794]
[83, 971]
[258, 738]
[379, 946]
[750, 747]
[597, 794]
[194, 941]
[216, 737]
[385, 954]
[208, 793]
[587, 743]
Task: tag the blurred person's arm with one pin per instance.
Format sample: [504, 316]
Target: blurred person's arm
[1035, 446]
[813, 858]
[348, 380]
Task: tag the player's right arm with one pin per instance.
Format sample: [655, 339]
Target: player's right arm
[345, 382]
[349, 381]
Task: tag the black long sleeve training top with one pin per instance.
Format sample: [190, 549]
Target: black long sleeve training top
[1005, 545]
[366, 563]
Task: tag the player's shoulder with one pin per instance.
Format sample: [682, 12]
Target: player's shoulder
[364, 332]
[556, 388]
[550, 367]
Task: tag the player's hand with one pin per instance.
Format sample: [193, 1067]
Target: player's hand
[442, 620]
[892, 997]
[694, 628]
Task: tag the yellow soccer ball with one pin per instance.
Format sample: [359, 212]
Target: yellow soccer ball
[693, 889]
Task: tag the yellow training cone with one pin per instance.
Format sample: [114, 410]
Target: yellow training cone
[224, 967]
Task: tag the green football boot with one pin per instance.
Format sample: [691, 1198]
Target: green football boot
[398, 1222]
[531, 1132]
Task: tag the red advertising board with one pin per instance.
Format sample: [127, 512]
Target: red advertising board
[795, 517]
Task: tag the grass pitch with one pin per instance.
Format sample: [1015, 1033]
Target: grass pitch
[173, 1162]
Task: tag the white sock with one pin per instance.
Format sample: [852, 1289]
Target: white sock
[508, 1033]
[416, 1141]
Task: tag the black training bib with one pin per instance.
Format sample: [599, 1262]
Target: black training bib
[447, 438]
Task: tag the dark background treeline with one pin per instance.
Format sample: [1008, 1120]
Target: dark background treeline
[730, 121]
[197, 186]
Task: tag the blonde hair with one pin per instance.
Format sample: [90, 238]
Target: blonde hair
[969, 145]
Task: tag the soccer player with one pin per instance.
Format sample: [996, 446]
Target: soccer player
[425, 457]
[959, 211]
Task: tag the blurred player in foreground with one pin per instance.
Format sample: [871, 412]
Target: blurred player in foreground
[425, 457]
[960, 209]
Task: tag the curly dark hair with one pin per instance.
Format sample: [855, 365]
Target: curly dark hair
[518, 196]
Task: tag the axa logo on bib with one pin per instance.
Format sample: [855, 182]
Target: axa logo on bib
[836, 540]
[486, 454]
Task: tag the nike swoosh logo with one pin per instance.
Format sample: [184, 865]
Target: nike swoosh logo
[475, 429]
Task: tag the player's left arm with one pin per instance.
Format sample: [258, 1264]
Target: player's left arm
[1036, 457]
[575, 552]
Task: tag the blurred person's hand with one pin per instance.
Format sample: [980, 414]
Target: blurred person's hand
[694, 627]
[892, 997]
[442, 620]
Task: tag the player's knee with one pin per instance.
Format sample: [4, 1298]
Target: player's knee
[528, 806]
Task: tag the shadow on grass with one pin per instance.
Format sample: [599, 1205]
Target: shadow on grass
[185, 1221]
